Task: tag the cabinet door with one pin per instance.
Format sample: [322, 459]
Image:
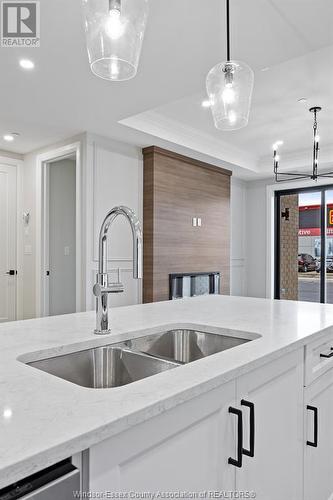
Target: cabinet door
[186, 448]
[276, 391]
[318, 464]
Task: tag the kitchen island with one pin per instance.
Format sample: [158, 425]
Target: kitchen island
[184, 419]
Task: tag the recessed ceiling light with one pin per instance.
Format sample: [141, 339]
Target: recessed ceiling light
[302, 100]
[10, 137]
[7, 413]
[27, 64]
[206, 103]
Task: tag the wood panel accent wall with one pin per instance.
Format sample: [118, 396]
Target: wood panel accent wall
[176, 189]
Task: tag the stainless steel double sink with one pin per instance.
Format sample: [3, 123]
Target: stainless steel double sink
[126, 362]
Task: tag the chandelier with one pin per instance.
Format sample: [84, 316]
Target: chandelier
[294, 176]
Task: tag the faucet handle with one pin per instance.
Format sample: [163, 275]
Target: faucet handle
[110, 282]
[104, 286]
[116, 286]
[99, 290]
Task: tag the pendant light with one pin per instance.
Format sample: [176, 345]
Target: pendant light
[114, 34]
[229, 87]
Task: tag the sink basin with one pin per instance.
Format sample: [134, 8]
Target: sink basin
[183, 345]
[103, 367]
[135, 359]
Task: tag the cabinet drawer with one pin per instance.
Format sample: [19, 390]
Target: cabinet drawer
[318, 357]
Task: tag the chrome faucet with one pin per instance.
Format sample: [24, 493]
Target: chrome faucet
[102, 287]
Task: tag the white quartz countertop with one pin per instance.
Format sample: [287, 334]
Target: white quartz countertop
[44, 419]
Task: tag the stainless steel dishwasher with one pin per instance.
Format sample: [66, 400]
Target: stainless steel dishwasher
[59, 482]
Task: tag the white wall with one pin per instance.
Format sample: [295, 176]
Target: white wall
[29, 237]
[113, 177]
[238, 282]
[255, 218]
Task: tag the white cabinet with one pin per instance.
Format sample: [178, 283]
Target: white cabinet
[274, 471]
[200, 444]
[318, 461]
[318, 357]
[185, 448]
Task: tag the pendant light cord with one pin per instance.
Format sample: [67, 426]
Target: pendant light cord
[315, 146]
[228, 30]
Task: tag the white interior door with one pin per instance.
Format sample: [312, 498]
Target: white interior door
[8, 257]
[60, 237]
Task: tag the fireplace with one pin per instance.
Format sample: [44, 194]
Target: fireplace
[193, 284]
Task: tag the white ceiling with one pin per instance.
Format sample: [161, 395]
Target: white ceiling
[184, 39]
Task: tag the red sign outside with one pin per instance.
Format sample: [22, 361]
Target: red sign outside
[310, 215]
[314, 231]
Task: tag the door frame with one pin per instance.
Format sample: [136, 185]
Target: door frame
[43, 161]
[323, 226]
[270, 225]
[18, 164]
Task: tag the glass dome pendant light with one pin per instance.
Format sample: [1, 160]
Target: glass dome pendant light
[229, 87]
[114, 35]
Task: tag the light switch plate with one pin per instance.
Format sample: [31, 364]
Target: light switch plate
[194, 222]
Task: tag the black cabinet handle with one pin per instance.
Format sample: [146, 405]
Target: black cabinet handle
[250, 451]
[314, 443]
[330, 355]
[11, 272]
[239, 460]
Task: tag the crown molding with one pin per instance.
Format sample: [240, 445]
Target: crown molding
[173, 131]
